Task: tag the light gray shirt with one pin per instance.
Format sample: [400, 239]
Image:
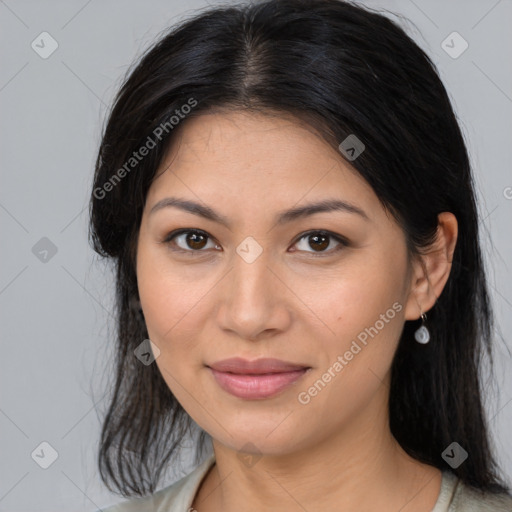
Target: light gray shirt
[454, 496]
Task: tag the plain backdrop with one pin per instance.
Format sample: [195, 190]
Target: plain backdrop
[56, 298]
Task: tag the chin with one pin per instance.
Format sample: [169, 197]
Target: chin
[262, 439]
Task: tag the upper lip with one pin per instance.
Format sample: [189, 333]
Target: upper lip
[258, 366]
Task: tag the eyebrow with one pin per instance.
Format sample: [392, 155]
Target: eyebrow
[327, 205]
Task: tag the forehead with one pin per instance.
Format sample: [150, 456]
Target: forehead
[255, 162]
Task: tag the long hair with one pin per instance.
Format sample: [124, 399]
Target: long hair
[344, 69]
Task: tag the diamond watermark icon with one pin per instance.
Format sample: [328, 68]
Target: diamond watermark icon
[44, 250]
[454, 455]
[454, 45]
[351, 147]
[147, 352]
[249, 455]
[44, 455]
[44, 45]
[249, 250]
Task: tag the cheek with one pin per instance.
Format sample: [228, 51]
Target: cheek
[353, 298]
[367, 318]
[172, 316]
[362, 307]
[171, 297]
[172, 310]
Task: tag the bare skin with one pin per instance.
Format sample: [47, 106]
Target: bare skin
[330, 450]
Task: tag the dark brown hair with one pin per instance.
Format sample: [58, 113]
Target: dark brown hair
[346, 70]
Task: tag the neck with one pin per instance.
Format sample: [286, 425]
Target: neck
[359, 467]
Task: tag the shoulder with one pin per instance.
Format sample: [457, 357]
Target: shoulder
[468, 499]
[460, 497]
[175, 497]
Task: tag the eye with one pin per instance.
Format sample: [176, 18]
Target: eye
[189, 240]
[320, 241]
[196, 241]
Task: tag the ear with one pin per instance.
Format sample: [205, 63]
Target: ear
[432, 268]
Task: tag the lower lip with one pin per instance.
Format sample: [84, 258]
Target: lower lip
[256, 386]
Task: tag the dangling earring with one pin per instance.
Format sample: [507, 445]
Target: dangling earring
[422, 334]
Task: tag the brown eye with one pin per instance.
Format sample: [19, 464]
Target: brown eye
[319, 241]
[195, 240]
[188, 240]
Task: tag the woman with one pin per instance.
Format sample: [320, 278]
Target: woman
[288, 200]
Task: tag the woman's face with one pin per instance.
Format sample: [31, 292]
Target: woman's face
[256, 282]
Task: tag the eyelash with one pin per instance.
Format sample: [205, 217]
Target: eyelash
[342, 242]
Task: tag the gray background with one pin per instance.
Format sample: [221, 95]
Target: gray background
[55, 313]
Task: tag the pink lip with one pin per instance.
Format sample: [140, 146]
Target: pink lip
[258, 379]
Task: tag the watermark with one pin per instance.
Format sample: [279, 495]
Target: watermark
[351, 147]
[507, 192]
[44, 455]
[146, 352]
[454, 45]
[44, 45]
[304, 397]
[44, 250]
[454, 455]
[249, 455]
[144, 150]
[249, 249]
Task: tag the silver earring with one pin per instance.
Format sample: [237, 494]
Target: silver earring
[422, 335]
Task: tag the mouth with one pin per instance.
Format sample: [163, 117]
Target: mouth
[253, 380]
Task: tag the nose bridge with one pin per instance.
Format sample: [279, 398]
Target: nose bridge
[250, 268]
[250, 281]
[250, 303]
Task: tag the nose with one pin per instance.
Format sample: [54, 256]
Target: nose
[254, 302]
